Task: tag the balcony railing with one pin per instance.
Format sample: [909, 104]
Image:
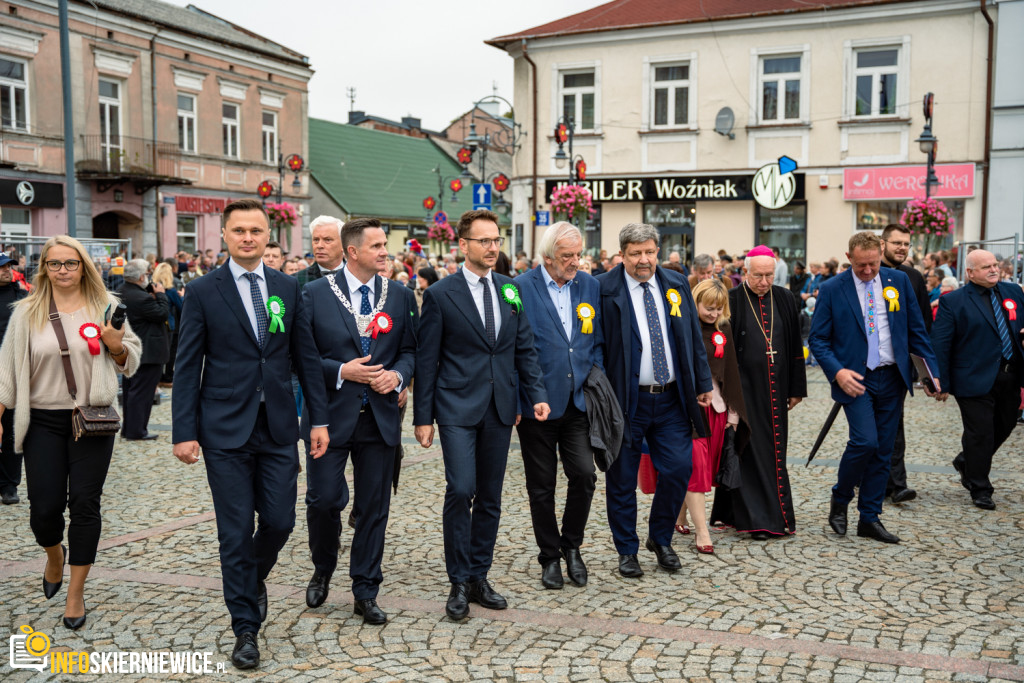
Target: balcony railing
[127, 156]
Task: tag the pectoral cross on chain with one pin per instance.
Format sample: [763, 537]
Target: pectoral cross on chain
[771, 354]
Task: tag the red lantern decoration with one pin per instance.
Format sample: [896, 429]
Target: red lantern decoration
[265, 189]
[429, 203]
[561, 133]
[501, 182]
[295, 163]
[581, 170]
[465, 155]
[456, 185]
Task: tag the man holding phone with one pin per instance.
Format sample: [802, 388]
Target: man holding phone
[147, 314]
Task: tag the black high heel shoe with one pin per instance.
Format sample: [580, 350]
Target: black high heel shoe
[75, 623]
[50, 589]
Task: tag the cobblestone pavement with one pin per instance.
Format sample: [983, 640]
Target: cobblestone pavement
[945, 604]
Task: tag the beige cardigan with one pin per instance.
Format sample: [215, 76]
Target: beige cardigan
[15, 370]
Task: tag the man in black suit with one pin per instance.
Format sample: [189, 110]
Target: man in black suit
[147, 314]
[10, 462]
[474, 349]
[242, 326]
[896, 247]
[976, 337]
[325, 232]
[364, 328]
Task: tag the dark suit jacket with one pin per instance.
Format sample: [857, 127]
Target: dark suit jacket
[920, 288]
[147, 314]
[623, 349]
[457, 370]
[838, 339]
[967, 342]
[566, 362]
[220, 368]
[337, 339]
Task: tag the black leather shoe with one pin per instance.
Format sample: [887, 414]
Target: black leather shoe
[50, 589]
[261, 600]
[370, 612]
[574, 566]
[144, 437]
[246, 654]
[903, 495]
[760, 536]
[318, 588]
[482, 594]
[984, 502]
[876, 531]
[551, 575]
[667, 558]
[837, 517]
[959, 467]
[10, 497]
[630, 567]
[457, 607]
[75, 623]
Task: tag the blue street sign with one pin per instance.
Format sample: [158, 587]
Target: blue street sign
[543, 219]
[481, 196]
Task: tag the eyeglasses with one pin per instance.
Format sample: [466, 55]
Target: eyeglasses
[897, 244]
[70, 264]
[487, 242]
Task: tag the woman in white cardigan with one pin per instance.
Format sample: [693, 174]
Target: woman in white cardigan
[61, 472]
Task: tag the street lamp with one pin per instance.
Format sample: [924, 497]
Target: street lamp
[928, 143]
[564, 133]
[506, 138]
[454, 184]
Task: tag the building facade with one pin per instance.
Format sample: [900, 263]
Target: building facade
[674, 112]
[176, 113]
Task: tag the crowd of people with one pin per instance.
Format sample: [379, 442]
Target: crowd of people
[601, 364]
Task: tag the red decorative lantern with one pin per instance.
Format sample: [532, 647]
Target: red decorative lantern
[581, 170]
[295, 163]
[429, 203]
[561, 133]
[501, 182]
[265, 189]
[465, 155]
[456, 185]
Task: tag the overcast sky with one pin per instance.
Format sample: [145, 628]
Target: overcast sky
[424, 58]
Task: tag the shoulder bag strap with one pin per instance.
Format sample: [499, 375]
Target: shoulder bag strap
[65, 354]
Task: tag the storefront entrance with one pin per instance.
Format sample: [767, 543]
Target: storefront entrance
[676, 224]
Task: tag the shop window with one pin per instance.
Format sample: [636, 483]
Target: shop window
[187, 123]
[578, 93]
[16, 222]
[187, 234]
[269, 137]
[13, 94]
[780, 78]
[676, 224]
[670, 96]
[785, 231]
[592, 233]
[877, 215]
[229, 126]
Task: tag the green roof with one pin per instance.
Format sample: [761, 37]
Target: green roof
[384, 175]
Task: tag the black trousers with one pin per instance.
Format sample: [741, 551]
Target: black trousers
[988, 421]
[64, 473]
[168, 370]
[542, 444]
[373, 465]
[10, 462]
[138, 399]
[898, 466]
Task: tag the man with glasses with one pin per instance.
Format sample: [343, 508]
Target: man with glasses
[10, 462]
[476, 347]
[896, 247]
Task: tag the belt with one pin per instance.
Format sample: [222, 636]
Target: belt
[656, 388]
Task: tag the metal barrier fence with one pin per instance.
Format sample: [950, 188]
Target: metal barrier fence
[999, 247]
[102, 252]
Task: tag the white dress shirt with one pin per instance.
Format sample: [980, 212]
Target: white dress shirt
[885, 352]
[356, 298]
[561, 297]
[245, 292]
[636, 294]
[476, 290]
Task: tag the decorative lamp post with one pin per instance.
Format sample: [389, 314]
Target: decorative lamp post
[564, 133]
[506, 138]
[928, 144]
[294, 163]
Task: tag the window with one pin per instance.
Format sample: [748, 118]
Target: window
[229, 121]
[780, 89]
[110, 123]
[578, 98]
[17, 221]
[676, 224]
[13, 94]
[270, 137]
[187, 123]
[784, 230]
[671, 96]
[187, 234]
[875, 74]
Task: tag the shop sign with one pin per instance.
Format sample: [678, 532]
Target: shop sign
[31, 194]
[672, 189]
[190, 204]
[906, 182]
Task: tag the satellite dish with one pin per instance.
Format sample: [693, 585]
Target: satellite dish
[724, 122]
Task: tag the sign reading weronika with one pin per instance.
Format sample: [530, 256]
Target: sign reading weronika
[906, 182]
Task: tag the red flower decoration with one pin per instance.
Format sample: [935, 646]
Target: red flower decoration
[561, 133]
[265, 189]
[295, 163]
[91, 333]
[581, 170]
[456, 185]
[429, 203]
[718, 339]
[501, 182]
[465, 155]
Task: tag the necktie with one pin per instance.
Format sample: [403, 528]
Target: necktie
[872, 330]
[1004, 331]
[657, 342]
[364, 309]
[262, 323]
[488, 310]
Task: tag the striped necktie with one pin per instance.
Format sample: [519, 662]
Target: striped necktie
[1004, 330]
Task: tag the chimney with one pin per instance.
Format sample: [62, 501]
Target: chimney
[411, 122]
[356, 116]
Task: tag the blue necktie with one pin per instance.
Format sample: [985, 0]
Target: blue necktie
[870, 325]
[262, 322]
[1004, 331]
[364, 309]
[657, 342]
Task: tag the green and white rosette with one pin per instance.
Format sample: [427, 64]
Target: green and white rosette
[511, 295]
[275, 309]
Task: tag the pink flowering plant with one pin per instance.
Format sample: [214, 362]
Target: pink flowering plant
[572, 203]
[930, 222]
[441, 233]
[282, 217]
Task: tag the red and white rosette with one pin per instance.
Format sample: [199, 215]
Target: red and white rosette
[91, 333]
[381, 323]
[718, 339]
[1011, 308]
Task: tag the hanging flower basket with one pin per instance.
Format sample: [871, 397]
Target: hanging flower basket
[930, 222]
[572, 203]
[442, 234]
[282, 217]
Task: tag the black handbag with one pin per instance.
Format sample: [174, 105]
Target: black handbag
[85, 420]
[728, 475]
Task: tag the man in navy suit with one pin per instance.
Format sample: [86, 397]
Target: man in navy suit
[976, 338]
[242, 326]
[866, 325]
[475, 349]
[561, 304]
[363, 326]
[655, 360]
